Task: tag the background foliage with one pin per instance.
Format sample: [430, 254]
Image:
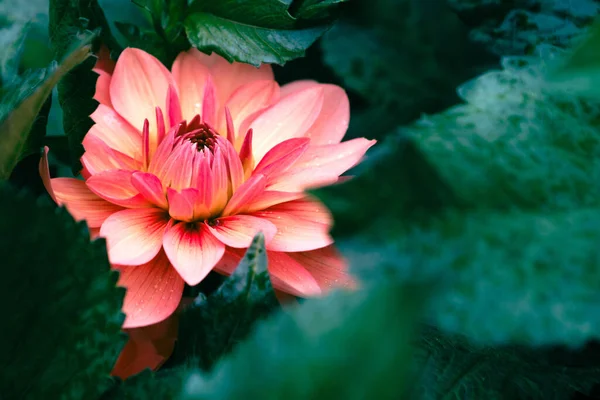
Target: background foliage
[473, 224]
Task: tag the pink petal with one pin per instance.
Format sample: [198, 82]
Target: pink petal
[281, 157]
[269, 198]
[302, 225]
[104, 68]
[81, 203]
[230, 76]
[332, 123]
[296, 86]
[191, 77]
[220, 181]
[158, 164]
[327, 266]
[230, 261]
[187, 205]
[44, 170]
[247, 100]
[290, 118]
[181, 205]
[134, 236]
[238, 230]
[99, 157]
[140, 84]
[116, 132]
[192, 250]
[153, 294]
[179, 167]
[149, 186]
[115, 186]
[102, 94]
[321, 165]
[290, 276]
[245, 194]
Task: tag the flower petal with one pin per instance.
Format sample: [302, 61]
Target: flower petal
[154, 291]
[81, 203]
[147, 347]
[192, 250]
[247, 100]
[99, 157]
[115, 186]
[134, 236]
[291, 277]
[104, 68]
[245, 194]
[291, 117]
[332, 123]
[191, 77]
[321, 165]
[140, 84]
[238, 230]
[187, 205]
[327, 266]
[281, 157]
[44, 170]
[116, 132]
[149, 186]
[269, 198]
[230, 76]
[302, 225]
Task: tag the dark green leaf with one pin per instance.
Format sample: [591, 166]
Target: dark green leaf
[409, 60]
[164, 37]
[253, 32]
[22, 102]
[347, 346]
[449, 367]
[212, 326]
[76, 90]
[61, 307]
[311, 9]
[579, 70]
[149, 385]
[518, 277]
[147, 40]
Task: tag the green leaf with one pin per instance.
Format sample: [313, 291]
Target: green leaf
[22, 102]
[349, 345]
[506, 213]
[62, 309]
[76, 90]
[409, 60]
[516, 142]
[252, 32]
[579, 70]
[213, 325]
[509, 277]
[164, 384]
[449, 367]
[311, 9]
[163, 36]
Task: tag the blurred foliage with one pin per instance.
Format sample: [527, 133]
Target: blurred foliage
[68, 19]
[214, 324]
[349, 345]
[62, 309]
[22, 125]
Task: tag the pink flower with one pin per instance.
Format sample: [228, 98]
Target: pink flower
[183, 168]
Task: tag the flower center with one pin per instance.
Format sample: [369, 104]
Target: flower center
[203, 137]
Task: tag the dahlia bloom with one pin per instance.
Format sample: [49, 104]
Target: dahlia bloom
[183, 168]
